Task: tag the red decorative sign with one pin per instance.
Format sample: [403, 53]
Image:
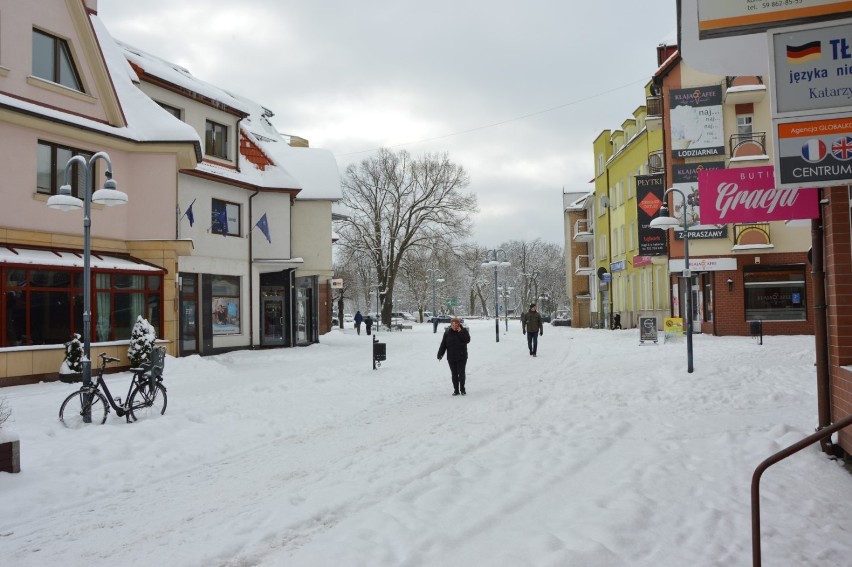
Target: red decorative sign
[748, 194]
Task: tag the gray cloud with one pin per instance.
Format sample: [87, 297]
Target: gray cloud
[437, 77]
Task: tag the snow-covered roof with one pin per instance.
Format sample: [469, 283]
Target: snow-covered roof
[315, 169]
[178, 76]
[70, 260]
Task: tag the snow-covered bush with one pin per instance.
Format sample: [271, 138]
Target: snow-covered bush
[142, 340]
[5, 411]
[73, 362]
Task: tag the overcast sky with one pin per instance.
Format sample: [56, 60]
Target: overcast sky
[513, 92]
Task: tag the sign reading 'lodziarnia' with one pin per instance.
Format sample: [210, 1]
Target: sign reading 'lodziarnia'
[696, 122]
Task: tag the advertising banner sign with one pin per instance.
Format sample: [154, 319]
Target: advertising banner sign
[812, 71]
[649, 199]
[647, 329]
[814, 153]
[748, 195]
[719, 18]
[685, 178]
[696, 122]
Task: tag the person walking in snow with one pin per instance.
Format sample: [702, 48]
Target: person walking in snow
[532, 328]
[454, 344]
[368, 322]
[358, 318]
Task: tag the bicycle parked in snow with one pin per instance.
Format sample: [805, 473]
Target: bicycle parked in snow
[146, 395]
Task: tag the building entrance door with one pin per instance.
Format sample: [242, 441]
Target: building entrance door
[273, 317]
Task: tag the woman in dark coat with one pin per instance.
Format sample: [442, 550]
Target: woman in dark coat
[454, 344]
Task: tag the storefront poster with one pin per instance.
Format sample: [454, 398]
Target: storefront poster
[226, 315]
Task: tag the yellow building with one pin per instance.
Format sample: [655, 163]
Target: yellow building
[628, 284]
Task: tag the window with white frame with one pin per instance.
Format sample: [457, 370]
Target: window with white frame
[602, 251]
[600, 164]
[52, 61]
[216, 140]
[744, 124]
[225, 219]
[173, 110]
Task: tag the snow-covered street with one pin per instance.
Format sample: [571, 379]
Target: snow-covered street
[599, 452]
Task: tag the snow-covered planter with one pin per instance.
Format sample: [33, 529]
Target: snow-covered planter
[10, 445]
[71, 369]
[142, 340]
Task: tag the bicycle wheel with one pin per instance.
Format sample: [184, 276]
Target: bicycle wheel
[145, 402]
[75, 406]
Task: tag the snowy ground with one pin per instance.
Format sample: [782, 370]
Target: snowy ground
[599, 452]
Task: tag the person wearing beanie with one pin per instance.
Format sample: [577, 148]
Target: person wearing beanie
[533, 328]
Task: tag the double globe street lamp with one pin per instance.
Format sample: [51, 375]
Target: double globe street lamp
[434, 271]
[64, 200]
[665, 222]
[492, 260]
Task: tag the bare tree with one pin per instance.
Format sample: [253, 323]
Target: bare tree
[398, 204]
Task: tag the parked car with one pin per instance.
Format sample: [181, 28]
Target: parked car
[347, 318]
[561, 320]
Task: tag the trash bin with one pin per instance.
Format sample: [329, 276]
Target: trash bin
[756, 328]
[379, 351]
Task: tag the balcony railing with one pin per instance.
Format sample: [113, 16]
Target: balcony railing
[753, 234]
[656, 162]
[654, 105]
[743, 81]
[751, 144]
[583, 265]
[583, 231]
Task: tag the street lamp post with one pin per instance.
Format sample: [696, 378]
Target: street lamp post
[65, 201]
[491, 259]
[506, 290]
[434, 271]
[664, 222]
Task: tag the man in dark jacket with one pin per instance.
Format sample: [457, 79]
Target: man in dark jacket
[358, 318]
[533, 328]
[454, 343]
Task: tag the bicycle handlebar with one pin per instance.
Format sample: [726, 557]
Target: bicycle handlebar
[107, 359]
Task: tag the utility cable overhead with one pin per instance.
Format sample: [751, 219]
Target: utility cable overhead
[486, 126]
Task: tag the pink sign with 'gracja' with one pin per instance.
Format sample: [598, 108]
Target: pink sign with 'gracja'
[748, 194]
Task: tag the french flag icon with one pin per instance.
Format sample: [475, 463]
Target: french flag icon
[814, 150]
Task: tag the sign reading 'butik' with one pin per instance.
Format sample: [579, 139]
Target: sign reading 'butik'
[748, 194]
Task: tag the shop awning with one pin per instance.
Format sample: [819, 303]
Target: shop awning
[64, 259]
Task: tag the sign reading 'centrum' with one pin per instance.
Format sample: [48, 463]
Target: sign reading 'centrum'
[748, 194]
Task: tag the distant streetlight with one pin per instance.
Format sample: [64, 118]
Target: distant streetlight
[491, 260]
[665, 222]
[65, 201]
[506, 290]
[434, 271]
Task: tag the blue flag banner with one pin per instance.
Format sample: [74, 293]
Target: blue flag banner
[263, 224]
[189, 214]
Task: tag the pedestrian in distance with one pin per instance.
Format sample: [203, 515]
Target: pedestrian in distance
[454, 344]
[533, 328]
[368, 322]
[358, 318]
[616, 321]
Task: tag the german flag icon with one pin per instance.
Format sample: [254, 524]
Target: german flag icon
[810, 51]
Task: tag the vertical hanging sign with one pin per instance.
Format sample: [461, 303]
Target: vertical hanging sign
[649, 199]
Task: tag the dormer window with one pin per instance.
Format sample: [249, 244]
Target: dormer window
[52, 61]
[216, 140]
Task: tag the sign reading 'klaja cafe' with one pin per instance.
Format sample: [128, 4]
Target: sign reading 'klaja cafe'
[748, 195]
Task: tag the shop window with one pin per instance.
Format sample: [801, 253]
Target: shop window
[775, 293]
[225, 292]
[52, 61]
[45, 306]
